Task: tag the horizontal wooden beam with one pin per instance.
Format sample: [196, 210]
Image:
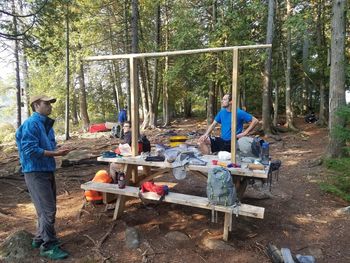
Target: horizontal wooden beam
[173, 53]
[139, 161]
[176, 198]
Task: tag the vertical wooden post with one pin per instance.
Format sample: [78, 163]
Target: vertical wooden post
[234, 103]
[134, 106]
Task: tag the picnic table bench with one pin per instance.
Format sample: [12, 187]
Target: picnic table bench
[177, 198]
[133, 177]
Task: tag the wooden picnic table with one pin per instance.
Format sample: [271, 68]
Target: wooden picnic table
[240, 175]
[133, 177]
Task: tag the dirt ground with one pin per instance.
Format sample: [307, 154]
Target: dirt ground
[298, 214]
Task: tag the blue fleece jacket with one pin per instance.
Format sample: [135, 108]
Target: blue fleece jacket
[33, 137]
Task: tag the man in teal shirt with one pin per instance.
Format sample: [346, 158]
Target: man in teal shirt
[209, 144]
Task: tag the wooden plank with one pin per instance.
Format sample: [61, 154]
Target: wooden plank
[119, 206]
[234, 171]
[174, 53]
[227, 226]
[138, 160]
[134, 106]
[183, 199]
[235, 93]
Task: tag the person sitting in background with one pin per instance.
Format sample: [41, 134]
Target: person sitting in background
[209, 144]
[115, 168]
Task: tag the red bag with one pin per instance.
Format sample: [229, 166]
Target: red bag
[100, 127]
[151, 187]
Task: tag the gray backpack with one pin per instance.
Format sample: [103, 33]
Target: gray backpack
[220, 188]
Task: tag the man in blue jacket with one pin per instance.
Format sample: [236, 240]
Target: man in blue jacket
[122, 116]
[36, 144]
[209, 144]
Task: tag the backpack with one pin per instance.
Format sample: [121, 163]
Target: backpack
[146, 144]
[101, 176]
[257, 146]
[116, 131]
[220, 188]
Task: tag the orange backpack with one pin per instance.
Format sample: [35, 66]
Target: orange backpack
[100, 177]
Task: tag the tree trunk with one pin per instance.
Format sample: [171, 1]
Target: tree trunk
[266, 105]
[82, 101]
[289, 112]
[322, 120]
[337, 78]
[25, 91]
[114, 68]
[18, 80]
[166, 112]
[144, 95]
[127, 50]
[66, 132]
[187, 106]
[74, 108]
[275, 106]
[305, 95]
[154, 97]
[114, 88]
[212, 86]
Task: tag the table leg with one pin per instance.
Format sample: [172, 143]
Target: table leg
[119, 207]
[227, 225]
[146, 171]
[241, 185]
[120, 203]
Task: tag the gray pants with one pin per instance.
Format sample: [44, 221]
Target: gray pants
[42, 190]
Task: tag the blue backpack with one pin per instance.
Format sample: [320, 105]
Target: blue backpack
[220, 188]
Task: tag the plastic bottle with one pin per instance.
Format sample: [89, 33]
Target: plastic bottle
[121, 180]
[265, 157]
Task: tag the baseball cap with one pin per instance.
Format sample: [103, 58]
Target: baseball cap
[43, 98]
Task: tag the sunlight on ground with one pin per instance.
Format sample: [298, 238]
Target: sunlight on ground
[27, 209]
[296, 151]
[291, 162]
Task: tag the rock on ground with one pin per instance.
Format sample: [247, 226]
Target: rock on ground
[16, 247]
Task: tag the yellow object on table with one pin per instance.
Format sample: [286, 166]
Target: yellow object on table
[177, 140]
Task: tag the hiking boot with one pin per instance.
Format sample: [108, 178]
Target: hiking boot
[36, 244]
[54, 253]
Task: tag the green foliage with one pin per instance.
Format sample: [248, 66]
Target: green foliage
[343, 132]
[338, 184]
[7, 132]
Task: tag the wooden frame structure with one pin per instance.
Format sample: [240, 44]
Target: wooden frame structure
[133, 59]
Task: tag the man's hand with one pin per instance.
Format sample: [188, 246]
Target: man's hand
[203, 138]
[63, 152]
[240, 135]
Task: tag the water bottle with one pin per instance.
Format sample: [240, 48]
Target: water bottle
[121, 180]
[265, 157]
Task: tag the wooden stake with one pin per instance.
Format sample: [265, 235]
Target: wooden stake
[234, 104]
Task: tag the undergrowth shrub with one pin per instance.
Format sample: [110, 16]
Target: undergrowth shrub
[339, 183]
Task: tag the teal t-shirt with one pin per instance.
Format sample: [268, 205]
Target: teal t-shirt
[224, 118]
